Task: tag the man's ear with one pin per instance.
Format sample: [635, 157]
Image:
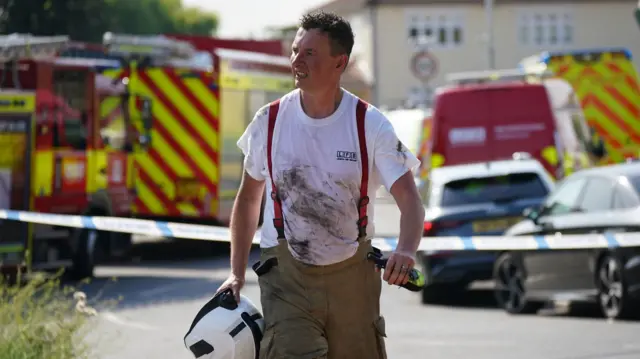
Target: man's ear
[344, 60]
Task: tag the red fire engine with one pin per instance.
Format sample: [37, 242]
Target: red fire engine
[59, 156]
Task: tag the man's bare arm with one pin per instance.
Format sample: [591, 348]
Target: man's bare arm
[407, 197]
[244, 222]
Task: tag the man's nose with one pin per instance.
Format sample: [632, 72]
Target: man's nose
[296, 58]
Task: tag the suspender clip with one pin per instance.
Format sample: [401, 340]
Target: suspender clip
[362, 226]
[279, 224]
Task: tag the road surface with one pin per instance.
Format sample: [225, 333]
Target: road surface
[159, 300]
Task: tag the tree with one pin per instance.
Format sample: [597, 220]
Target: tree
[85, 20]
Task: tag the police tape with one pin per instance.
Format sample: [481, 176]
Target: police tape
[427, 244]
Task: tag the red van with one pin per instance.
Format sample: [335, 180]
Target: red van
[491, 121]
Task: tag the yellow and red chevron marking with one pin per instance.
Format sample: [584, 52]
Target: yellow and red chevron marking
[184, 142]
[110, 111]
[610, 97]
[111, 105]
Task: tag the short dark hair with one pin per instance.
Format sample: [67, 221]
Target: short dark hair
[336, 27]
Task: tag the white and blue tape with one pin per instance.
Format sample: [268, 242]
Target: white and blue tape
[222, 234]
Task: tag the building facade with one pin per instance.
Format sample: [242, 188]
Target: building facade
[389, 33]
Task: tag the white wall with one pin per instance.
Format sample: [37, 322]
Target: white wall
[608, 24]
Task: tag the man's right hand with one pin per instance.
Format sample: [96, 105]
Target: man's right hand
[235, 283]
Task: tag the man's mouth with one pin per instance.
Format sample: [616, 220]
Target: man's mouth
[301, 74]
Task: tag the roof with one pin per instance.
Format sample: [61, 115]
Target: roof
[485, 169]
[83, 61]
[208, 43]
[349, 6]
[630, 169]
[450, 88]
[258, 57]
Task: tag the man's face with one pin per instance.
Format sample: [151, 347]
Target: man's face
[313, 66]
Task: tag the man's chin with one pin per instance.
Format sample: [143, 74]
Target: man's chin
[300, 83]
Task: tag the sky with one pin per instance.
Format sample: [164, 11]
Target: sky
[241, 18]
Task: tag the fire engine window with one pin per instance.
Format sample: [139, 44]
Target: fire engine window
[112, 122]
[73, 134]
[72, 87]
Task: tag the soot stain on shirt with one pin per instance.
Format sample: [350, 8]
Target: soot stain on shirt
[401, 151]
[315, 207]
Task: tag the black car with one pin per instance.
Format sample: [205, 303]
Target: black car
[480, 199]
[596, 200]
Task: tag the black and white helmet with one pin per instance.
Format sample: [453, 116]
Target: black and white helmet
[224, 329]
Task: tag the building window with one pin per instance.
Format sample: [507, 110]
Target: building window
[567, 27]
[545, 28]
[444, 30]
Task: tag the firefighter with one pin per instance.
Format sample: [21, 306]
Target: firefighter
[322, 150]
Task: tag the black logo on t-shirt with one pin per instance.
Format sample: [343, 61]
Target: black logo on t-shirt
[346, 156]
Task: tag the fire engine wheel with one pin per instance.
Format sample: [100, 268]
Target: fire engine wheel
[84, 253]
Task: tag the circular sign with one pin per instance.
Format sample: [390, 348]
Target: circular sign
[424, 65]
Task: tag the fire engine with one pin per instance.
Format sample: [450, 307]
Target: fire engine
[489, 115]
[58, 156]
[606, 84]
[202, 101]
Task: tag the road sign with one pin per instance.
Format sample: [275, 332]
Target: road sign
[424, 65]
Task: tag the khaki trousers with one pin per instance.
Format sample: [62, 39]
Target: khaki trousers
[320, 312]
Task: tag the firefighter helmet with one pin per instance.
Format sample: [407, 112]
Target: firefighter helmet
[225, 329]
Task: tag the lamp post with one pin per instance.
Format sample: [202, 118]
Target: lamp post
[637, 13]
[488, 10]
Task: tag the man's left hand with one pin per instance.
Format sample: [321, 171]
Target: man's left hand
[397, 269]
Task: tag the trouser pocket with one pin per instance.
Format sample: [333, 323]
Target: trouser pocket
[266, 344]
[379, 329]
[263, 267]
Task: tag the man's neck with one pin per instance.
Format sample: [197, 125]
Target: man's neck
[321, 104]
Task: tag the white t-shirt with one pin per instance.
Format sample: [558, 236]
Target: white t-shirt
[317, 170]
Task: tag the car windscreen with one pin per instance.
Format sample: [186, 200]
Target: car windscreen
[503, 188]
[635, 182]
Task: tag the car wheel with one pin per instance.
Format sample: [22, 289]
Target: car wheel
[613, 296]
[510, 292]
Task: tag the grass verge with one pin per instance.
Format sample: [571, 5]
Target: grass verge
[41, 319]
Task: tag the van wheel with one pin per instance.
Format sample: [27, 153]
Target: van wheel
[84, 254]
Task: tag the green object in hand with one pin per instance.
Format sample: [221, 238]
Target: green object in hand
[416, 278]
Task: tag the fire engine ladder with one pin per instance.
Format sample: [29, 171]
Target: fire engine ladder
[16, 46]
[493, 76]
[156, 49]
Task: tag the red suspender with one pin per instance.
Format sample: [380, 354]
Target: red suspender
[361, 110]
[363, 220]
[278, 222]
